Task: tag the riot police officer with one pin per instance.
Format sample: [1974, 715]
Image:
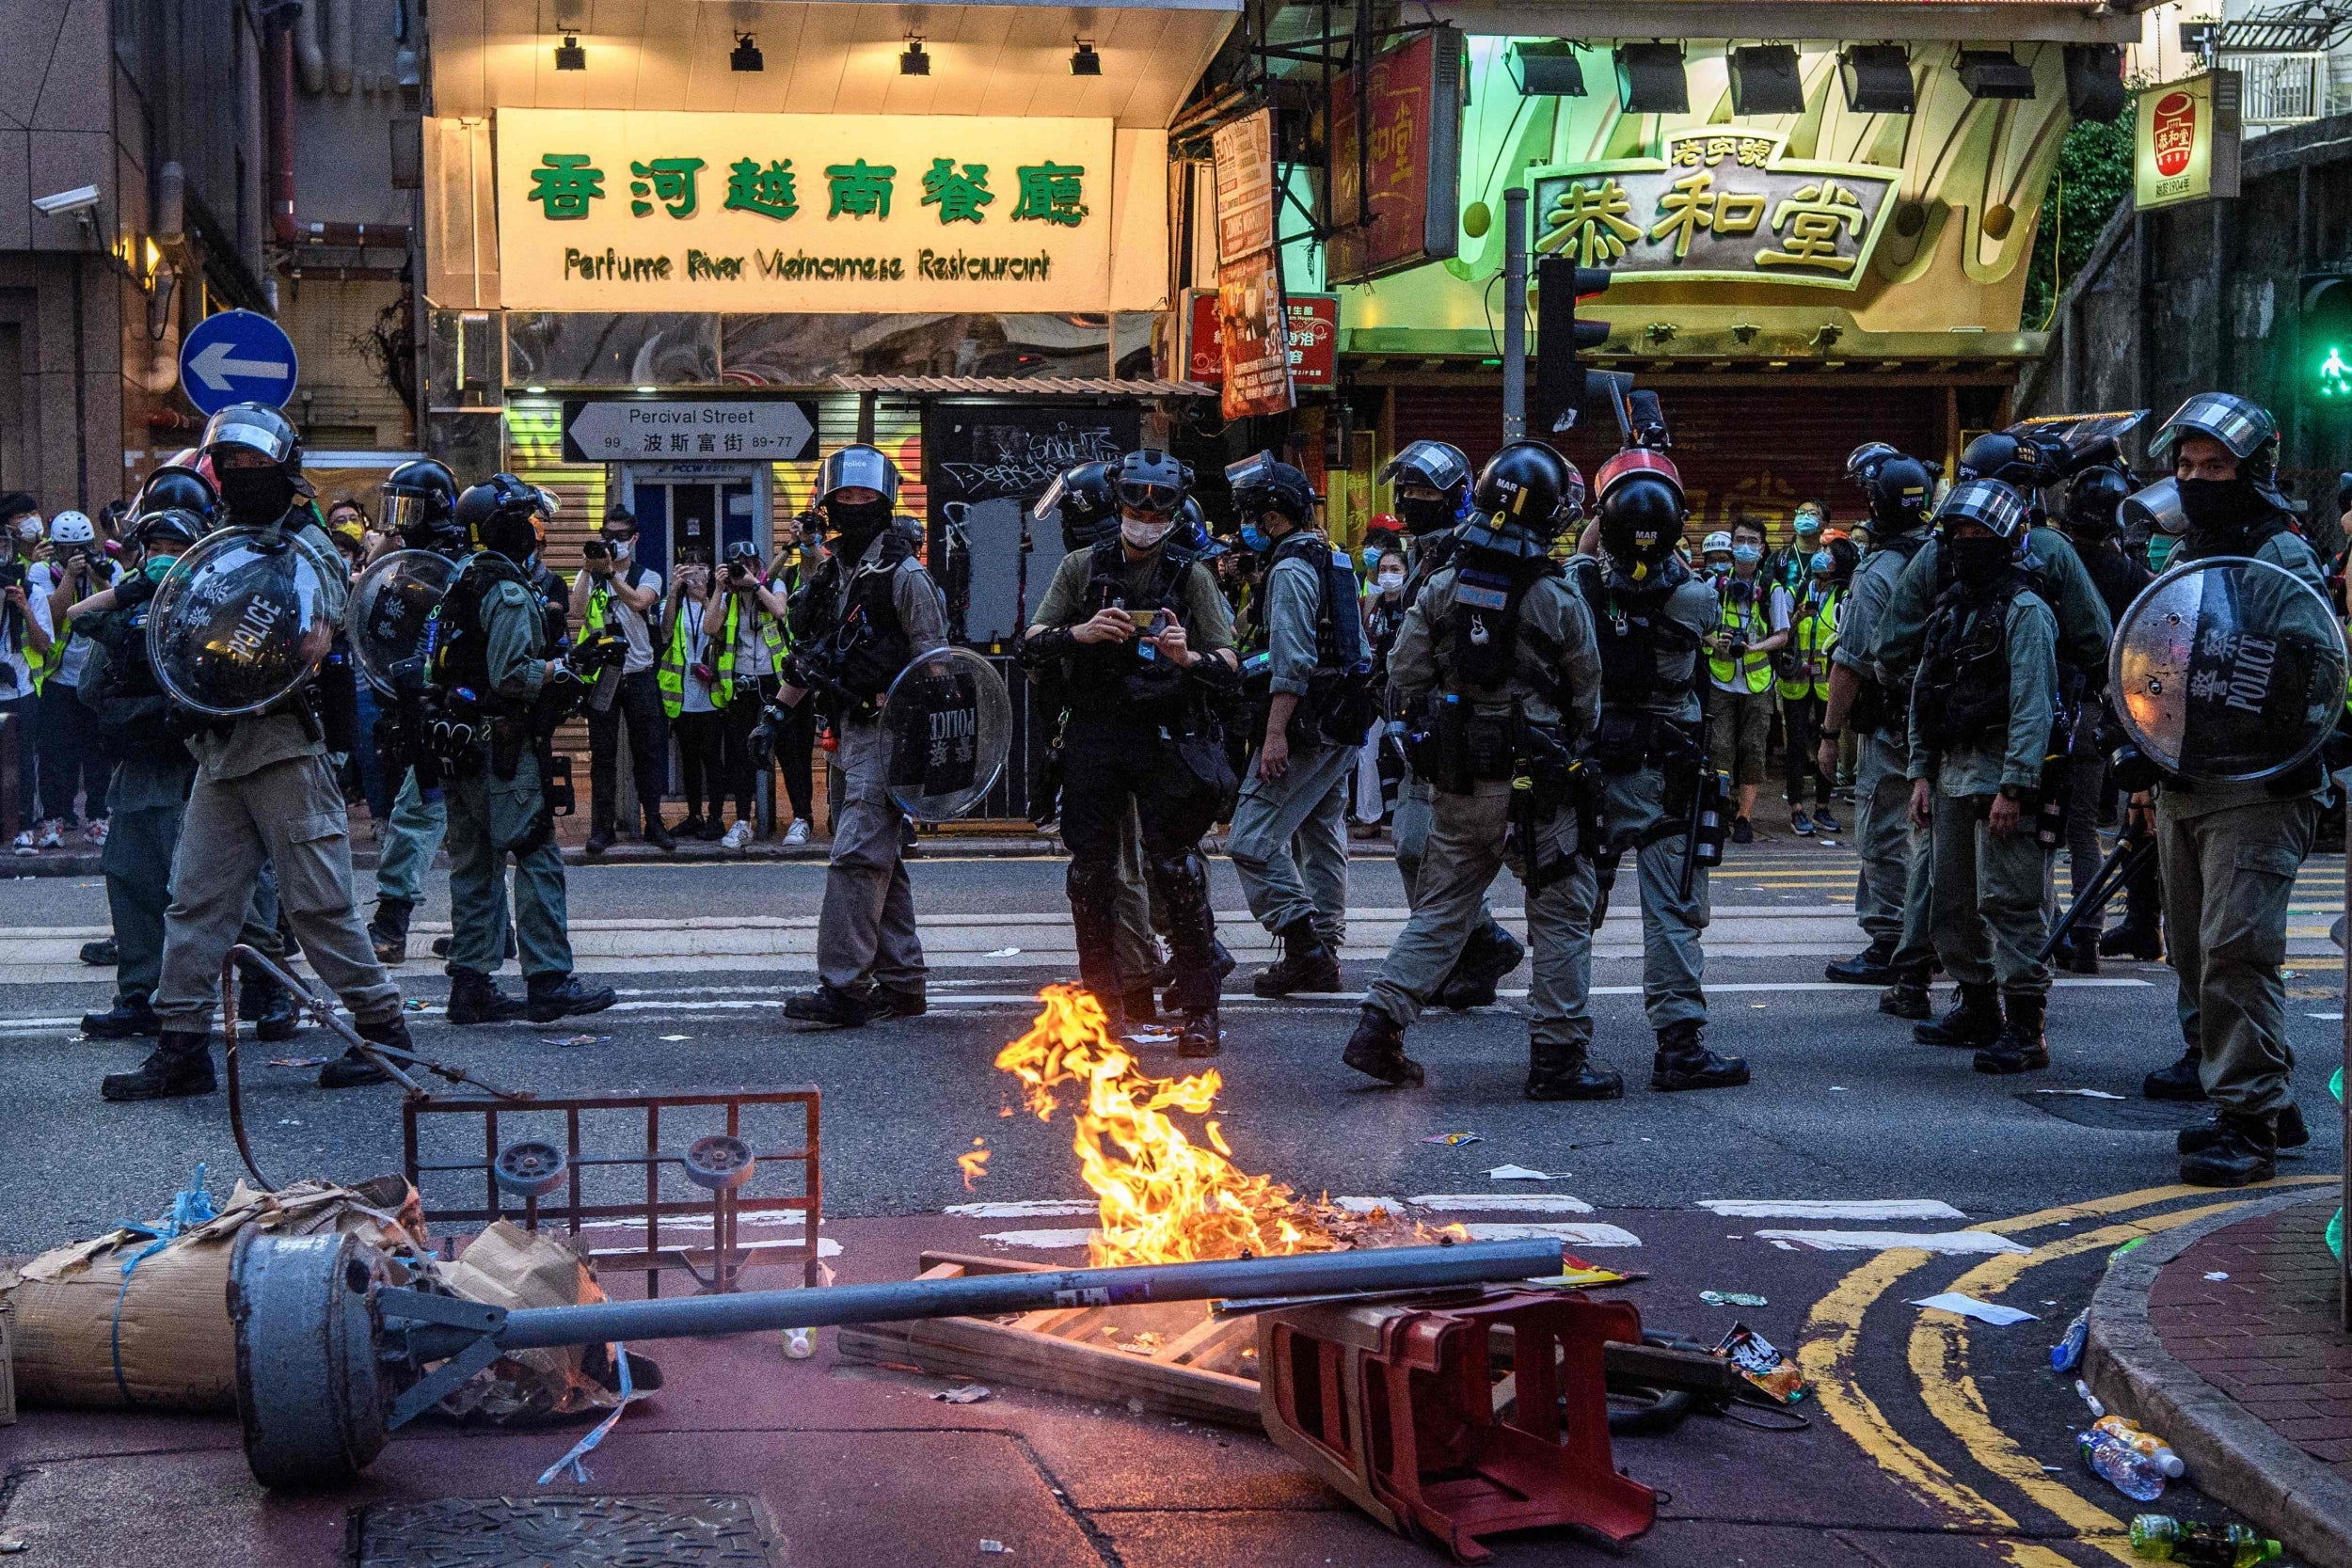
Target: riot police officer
[2093, 500]
[420, 511]
[2230, 851]
[1869, 699]
[1432, 483]
[1496, 659]
[1650, 616]
[1289, 838]
[500, 685]
[1144, 641]
[1983, 704]
[264, 791]
[867, 611]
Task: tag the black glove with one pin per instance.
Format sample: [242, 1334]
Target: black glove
[1045, 646]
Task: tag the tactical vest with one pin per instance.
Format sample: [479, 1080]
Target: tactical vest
[1962, 695]
[460, 643]
[2199, 544]
[1634, 632]
[1812, 633]
[1114, 677]
[861, 645]
[1751, 670]
[1493, 568]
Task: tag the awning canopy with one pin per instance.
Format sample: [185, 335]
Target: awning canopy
[986, 58]
[1027, 387]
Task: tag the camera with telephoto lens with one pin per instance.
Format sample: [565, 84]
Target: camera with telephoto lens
[598, 652]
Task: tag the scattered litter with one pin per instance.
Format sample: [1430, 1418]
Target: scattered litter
[2083, 1094]
[1983, 1312]
[673, 1039]
[2068, 1353]
[969, 1393]
[297, 1061]
[2127, 1246]
[2054, 1469]
[1002, 953]
[1452, 1140]
[1581, 1275]
[1144, 1343]
[798, 1343]
[996, 1548]
[1500, 1173]
[1762, 1364]
[416, 1003]
[2217, 1275]
[1150, 1035]
[575, 1040]
[288, 1121]
[1838, 1089]
[2119, 1464]
[1732, 1298]
[9, 1545]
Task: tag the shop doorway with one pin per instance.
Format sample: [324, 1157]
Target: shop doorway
[716, 504]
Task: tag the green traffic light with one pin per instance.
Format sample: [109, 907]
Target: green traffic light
[2335, 375]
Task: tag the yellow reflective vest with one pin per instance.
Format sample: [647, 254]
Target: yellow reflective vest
[1812, 633]
[1751, 671]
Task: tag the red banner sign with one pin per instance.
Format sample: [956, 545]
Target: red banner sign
[1313, 346]
[1256, 355]
[1397, 191]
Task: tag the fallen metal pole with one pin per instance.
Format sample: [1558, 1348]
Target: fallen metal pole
[987, 1295]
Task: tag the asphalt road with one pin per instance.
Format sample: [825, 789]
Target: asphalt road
[1845, 1109]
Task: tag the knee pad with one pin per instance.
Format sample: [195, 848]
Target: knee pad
[1181, 881]
[1093, 887]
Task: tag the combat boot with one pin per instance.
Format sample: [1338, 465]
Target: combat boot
[181, 1064]
[2022, 1045]
[837, 1009]
[1306, 964]
[475, 998]
[1973, 1024]
[2134, 939]
[1908, 997]
[2244, 1150]
[1376, 1048]
[1200, 1036]
[2080, 956]
[2206, 1134]
[1683, 1063]
[888, 1002]
[124, 1020]
[1873, 966]
[1491, 953]
[388, 930]
[1558, 1071]
[353, 1070]
[102, 954]
[2180, 1080]
[266, 1006]
[552, 996]
[1139, 1005]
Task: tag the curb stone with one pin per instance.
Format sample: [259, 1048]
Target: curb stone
[2231, 1455]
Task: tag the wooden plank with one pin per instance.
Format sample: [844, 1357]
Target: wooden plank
[1181, 1350]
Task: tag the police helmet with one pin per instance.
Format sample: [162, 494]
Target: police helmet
[173, 487]
[1901, 489]
[1529, 484]
[2093, 500]
[1438, 466]
[1989, 502]
[1148, 481]
[1191, 537]
[1642, 508]
[860, 467]
[258, 426]
[2243, 428]
[1263, 484]
[1082, 498]
[418, 499]
[497, 516]
[1864, 461]
[176, 524]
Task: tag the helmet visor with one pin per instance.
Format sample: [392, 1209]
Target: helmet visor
[2237, 424]
[858, 469]
[401, 513]
[246, 426]
[1987, 503]
[1050, 501]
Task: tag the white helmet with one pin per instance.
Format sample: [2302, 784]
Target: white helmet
[1717, 542]
[71, 528]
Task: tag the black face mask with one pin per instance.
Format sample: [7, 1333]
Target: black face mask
[1980, 561]
[256, 497]
[858, 522]
[1424, 516]
[2220, 504]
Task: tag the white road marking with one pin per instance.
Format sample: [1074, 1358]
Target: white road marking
[1035, 1208]
[1365, 1205]
[1043, 1239]
[1956, 1241]
[1831, 1209]
[1503, 1203]
[1567, 1235]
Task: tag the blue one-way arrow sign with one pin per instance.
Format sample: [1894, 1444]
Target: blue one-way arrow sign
[237, 357]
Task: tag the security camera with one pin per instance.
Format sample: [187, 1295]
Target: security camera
[81, 198]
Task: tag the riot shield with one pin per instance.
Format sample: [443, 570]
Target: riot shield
[391, 607]
[2228, 670]
[946, 728]
[243, 619]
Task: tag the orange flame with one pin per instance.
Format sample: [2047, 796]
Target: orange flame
[1163, 1198]
[974, 1164]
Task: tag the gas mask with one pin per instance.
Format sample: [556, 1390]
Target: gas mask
[256, 497]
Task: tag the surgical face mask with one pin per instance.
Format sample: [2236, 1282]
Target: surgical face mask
[29, 528]
[1747, 555]
[156, 566]
[2160, 547]
[1254, 538]
[1390, 580]
[1142, 530]
[256, 497]
[620, 546]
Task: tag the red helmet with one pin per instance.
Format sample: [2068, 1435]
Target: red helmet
[1636, 460]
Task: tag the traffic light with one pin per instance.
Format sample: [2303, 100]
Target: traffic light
[2327, 369]
[1561, 340]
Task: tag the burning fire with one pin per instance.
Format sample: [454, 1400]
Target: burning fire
[974, 1163]
[1162, 1197]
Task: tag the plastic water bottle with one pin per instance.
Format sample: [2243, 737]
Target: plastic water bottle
[2123, 1467]
[2068, 1353]
[800, 1343]
[2161, 1538]
[2147, 1444]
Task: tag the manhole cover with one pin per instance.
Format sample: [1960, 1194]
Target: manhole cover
[565, 1532]
[2121, 1116]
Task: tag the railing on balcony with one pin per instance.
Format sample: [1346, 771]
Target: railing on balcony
[2283, 89]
